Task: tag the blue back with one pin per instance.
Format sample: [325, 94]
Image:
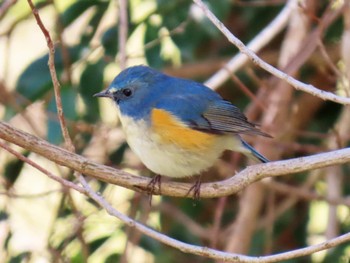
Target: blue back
[185, 98]
[191, 102]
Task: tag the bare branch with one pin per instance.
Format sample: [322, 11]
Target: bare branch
[256, 44]
[184, 247]
[53, 73]
[301, 193]
[123, 32]
[230, 186]
[5, 6]
[62, 181]
[274, 71]
[204, 251]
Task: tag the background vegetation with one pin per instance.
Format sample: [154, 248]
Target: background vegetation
[42, 221]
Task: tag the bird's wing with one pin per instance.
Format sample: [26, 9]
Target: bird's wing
[209, 114]
[222, 116]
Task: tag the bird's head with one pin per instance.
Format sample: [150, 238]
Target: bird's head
[133, 89]
[130, 83]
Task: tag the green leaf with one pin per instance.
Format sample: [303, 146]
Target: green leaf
[3, 216]
[91, 82]
[173, 12]
[94, 22]
[35, 80]
[97, 243]
[117, 156]
[113, 258]
[22, 257]
[150, 244]
[74, 11]
[109, 41]
[153, 53]
[78, 257]
[12, 171]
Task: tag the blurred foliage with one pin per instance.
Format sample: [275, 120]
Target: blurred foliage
[168, 35]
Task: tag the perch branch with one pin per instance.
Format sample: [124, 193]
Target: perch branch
[229, 186]
[182, 246]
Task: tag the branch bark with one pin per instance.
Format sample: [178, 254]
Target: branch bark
[255, 45]
[226, 187]
[274, 71]
[188, 248]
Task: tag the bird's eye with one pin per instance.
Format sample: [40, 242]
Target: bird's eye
[127, 92]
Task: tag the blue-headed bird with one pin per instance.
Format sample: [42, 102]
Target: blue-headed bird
[177, 127]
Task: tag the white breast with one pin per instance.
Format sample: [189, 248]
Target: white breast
[169, 159]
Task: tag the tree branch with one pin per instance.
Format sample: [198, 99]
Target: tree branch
[230, 186]
[308, 88]
[47, 150]
[84, 166]
[53, 73]
[256, 44]
[63, 182]
[123, 32]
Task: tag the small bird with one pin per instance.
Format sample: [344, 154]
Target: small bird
[177, 127]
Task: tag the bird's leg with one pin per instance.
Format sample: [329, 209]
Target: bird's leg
[151, 187]
[196, 188]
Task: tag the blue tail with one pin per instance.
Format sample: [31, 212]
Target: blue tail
[254, 154]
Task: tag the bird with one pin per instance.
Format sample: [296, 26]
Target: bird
[177, 127]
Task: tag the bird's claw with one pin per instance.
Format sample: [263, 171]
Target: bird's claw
[196, 188]
[151, 187]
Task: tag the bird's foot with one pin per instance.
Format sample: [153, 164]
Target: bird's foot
[196, 188]
[151, 187]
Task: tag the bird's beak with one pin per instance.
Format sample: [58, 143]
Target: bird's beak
[103, 94]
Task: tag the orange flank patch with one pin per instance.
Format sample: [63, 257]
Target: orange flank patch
[172, 131]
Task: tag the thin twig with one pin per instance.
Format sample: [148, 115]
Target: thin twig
[258, 3]
[30, 196]
[175, 212]
[328, 60]
[204, 251]
[248, 92]
[5, 7]
[53, 73]
[184, 247]
[217, 220]
[83, 165]
[123, 32]
[256, 44]
[301, 193]
[62, 181]
[308, 88]
[286, 204]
